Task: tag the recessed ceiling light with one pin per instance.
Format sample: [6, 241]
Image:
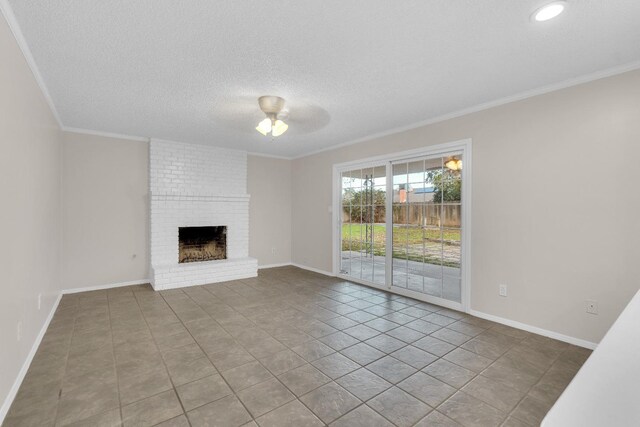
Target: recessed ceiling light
[549, 11]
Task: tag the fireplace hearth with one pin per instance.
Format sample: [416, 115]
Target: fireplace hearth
[197, 244]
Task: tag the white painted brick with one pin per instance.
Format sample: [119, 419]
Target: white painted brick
[194, 185]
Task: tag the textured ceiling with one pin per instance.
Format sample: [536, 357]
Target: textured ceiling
[192, 70]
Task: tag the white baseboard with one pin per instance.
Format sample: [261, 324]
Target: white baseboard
[534, 329]
[282, 264]
[315, 270]
[108, 286]
[25, 366]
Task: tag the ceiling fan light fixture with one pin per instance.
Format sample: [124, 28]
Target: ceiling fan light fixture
[271, 106]
[264, 127]
[279, 127]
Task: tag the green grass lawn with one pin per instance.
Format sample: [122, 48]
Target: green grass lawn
[412, 235]
[353, 237]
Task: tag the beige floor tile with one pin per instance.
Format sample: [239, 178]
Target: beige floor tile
[391, 369]
[293, 414]
[246, 375]
[180, 421]
[282, 362]
[493, 392]
[467, 359]
[436, 419]
[339, 340]
[362, 353]
[330, 402]
[312, 350]
[385, 343]
[399, 407]
[362, 416]
[363, 384]
[454, 375]
[225, 412]
[134, 388]
[84, 402]
[426, 388]
[131, 346]
[203, 391]
[414, 356]
[434, 346]
[471, 412]
[303, 379]
[152, 410]
[531, 410]
[110, 418]
[335, 365]
[264, 397]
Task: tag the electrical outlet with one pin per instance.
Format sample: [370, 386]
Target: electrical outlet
[39, 301]
[273, 250]
[503, 291]
[592, 306]
[19, 331]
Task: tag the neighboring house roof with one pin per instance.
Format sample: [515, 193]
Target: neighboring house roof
[424, 190]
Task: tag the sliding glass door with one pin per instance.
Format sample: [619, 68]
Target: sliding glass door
[400, 224]
[363, 223]
[427, 229]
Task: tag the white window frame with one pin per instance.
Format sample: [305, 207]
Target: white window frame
[462, 146]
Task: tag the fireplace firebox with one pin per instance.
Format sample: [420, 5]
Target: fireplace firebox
[202, 243]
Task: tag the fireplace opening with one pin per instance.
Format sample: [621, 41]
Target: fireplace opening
[202, 243]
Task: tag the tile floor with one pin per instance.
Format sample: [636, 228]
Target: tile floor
[289, 348]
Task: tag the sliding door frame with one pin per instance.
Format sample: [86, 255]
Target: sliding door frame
[461, 146]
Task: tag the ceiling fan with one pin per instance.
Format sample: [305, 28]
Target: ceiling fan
[272, 106]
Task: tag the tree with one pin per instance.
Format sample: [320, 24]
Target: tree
[364, 205]
[447, 184]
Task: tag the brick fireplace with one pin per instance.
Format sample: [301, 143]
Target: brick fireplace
[199, 215]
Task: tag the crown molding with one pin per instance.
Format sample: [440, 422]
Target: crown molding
[7, 11]
[610, 72]
[104, 134]
[270, 156]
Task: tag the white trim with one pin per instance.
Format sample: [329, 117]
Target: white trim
[108, 286]
[336, 220]
[25, 366]
[282, 264]
[534, 329]
[7, 11]
[270, 156]
[467, 205]
[315, 270]
[104, 134]
[609, 72]
[427, 150]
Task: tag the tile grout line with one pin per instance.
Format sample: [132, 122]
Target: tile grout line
[207, 355]
[257, 360]
[313, 306]
[66, 365]
[115, 364]
[175, 391]
[297, 398]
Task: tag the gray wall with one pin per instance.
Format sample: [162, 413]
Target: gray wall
[105, 210]
[106, 213]
[576, 149]
[29, 212]
[269, 184]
